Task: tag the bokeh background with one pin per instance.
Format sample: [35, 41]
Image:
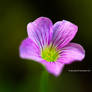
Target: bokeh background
[19, 75]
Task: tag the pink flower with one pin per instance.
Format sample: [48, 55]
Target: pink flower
[50, 44]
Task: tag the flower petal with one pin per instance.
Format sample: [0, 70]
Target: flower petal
[40, 31]
[54, 68]
[63, 32]
[29, 50]
[72, 52]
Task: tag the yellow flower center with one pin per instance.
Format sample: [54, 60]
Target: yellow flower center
[50, 54]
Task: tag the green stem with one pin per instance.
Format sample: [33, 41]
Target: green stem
[44, 81]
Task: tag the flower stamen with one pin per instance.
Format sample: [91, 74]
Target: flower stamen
[50, 54]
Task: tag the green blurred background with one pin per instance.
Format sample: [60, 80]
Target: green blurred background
[18, 75]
